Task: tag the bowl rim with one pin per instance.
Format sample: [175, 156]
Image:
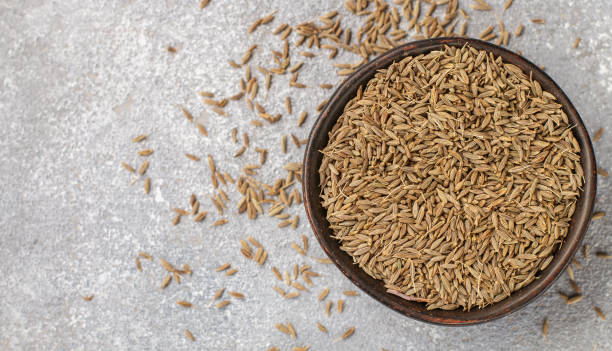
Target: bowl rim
[311, 189]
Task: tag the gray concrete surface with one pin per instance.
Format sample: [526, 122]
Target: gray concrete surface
[80, 78]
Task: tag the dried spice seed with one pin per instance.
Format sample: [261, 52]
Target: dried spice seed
[192, 157]
[350, 293]
[545, 328]
[236, 294]
[291, 330]
[222, 304]
[519, 30]
[599, 312]
[171, 49]
[184, 304]
[350, 331]
[146, 152]
[217, 295]
[128, 167]
[321, 327]
[220, 222]
[145, 255]
[602, 172]
[340, 305]
[574, 299]
[538, 20]
[603, 255]
[576, 43]
[328, 307]
[223, 267]
[598, 134]
[166, 281]
[87, 298]
[598, 215]
[369, 208]
[189, 335]
[231, 271]
[575, 286]
[140, 138]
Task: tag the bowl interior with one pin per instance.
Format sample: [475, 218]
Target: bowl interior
[316, 213]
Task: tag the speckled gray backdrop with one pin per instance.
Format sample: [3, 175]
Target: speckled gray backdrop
[80, 78]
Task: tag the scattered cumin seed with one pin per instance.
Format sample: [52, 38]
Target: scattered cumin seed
[166, 281]
[602, 172]
[189, 335]
[236, 294]
[538, 20]
[598, 215]
[573, 299]
[204, 3]
[328, 307]
[599, 312]
[200, 216]
[324, 260]
[340, 305]
[146, 152]
[231, 272]
[480, 5]
[575, 286]
[292, 295]
[176, 219]
[145, 255]
[576, 42]
[185, 304]
[545, 328]
[128, 167]
[282, 328]
[222, 304]
[171, 49]
[519, 30]
[277, 273]
[87, 298]
[192, 157]
[598, 134]
[138, 264]
[346, 334]
[603, 255]
[291, 330]
[223, 267]
[220, 222]
[507, 4]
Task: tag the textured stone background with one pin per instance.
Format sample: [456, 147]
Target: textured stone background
[80, 78]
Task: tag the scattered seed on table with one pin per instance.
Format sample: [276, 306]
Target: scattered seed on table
[575, 286]
[184, 303]
[87, 298]
[288, 104]
[602, 172]
[507, 4]
[603, 255]
[282, 328]
[140, 138]
[350, 293]
[599, 312]
[217, 295]
[280, 291]
[574, 299]
[146, 152]
[576, 42]
[598, 134]
[176, 219]
[538, 20]
[346, 334]
[598, 215]
[203, 4]
[328, 307]
[166, 281]
[236, 294]
[220, 222]
[340, 305]
[128, 167]
[147, 185]
[231, 272]
[519, 31]
[545, 328]
[223, 267]
[277, 274]
[570, 272]
[480, 5]
[145, 255]
[222, 304]
[189, 335]
[171, 49]
[192, 157]
[292, 295]
[291, 330]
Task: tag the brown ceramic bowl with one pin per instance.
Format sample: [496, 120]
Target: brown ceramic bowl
[375, 288]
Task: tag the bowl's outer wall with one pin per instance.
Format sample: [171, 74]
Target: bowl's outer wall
[319, 137]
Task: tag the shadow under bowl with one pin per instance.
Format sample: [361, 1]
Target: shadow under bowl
[319, 138]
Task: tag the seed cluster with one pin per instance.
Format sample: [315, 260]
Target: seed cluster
[452, 177]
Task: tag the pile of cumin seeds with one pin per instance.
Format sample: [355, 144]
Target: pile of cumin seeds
[452, 177]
